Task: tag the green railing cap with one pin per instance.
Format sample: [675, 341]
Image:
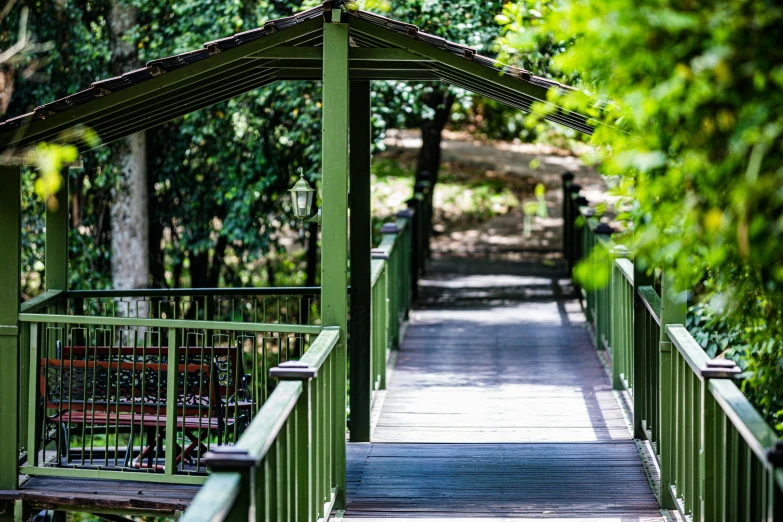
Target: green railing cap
[603, 228]
[720, 369]
[390, 228]
[567, 176]
[619, 251]
[377, 253]
[775, 454]
[228, 458]
[293, 371]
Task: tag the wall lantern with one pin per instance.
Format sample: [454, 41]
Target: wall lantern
[302, 198]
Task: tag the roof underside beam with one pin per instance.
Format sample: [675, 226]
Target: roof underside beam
[359, 74]
[355, 65]
[189, 82]
[118, 105]
[382, 54]
[471, 76]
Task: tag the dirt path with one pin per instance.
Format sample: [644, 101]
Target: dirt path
[502, 236]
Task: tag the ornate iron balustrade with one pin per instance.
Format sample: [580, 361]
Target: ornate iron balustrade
[294, 305]
[144, 398]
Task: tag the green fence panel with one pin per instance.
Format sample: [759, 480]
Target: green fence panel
[719, 460]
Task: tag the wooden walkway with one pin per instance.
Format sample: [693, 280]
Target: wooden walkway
[498, 406]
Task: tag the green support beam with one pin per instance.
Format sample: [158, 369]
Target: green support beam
[334, 233]
[356, 65]
[355, 53]
[361, 244]
[10, 238]
[462, 65]
[378, 74]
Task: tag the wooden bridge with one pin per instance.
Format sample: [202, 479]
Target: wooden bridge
[478, 388]
[498, 406]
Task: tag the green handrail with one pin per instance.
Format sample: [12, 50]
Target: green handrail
[169, 323]
[281, 468]
[719, 460]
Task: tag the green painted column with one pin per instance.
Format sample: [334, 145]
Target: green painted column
[640, 387]
[361, 244]
[10, 238]
[56, 247]
[334, 232]
[673, 310]
[615, 323]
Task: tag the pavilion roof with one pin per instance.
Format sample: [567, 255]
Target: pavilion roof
[283, 49]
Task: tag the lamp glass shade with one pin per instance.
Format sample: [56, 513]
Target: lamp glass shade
[302, 198]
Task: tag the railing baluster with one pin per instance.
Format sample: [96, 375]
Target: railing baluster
[172, 392]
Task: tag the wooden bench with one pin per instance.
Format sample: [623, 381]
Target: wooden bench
[127, 387]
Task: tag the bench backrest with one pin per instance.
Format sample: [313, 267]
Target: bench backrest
[125, 379]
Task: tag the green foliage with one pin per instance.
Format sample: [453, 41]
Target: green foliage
[533, 208]
[459, 201]
[594, 271]
[761, 362]
[524, 42]
[693, 115]
[217, 176]
[405, 104]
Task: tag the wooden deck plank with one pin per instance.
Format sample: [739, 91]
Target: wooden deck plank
[498, 406]
[100, 495]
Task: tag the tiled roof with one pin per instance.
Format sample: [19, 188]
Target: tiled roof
[11, 132]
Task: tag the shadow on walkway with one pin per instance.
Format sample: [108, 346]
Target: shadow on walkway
[498, 406]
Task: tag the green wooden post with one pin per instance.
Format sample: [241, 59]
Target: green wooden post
[567, 178]
[361, 244]
[673, 310]
[615, 324]
[413, 207]
[405, 217]
[305, 482]
[709, 454]
[641, 386]
[334, 236]
[10, 260]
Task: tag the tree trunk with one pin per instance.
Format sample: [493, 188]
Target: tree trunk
[428, 162]
[130, 221]
[205, 273]
[155, 205]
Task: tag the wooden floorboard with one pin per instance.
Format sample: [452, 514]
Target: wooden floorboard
[498, 406]
[101, 495]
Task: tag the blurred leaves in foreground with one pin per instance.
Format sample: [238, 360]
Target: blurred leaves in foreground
[687, 100]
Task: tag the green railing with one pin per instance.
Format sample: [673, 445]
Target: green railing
[282, 467]
[288, 305]
[162, 385]
[143, 399]
[379, 323]
[718, 459]
[395, 250]
[621, 329]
